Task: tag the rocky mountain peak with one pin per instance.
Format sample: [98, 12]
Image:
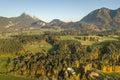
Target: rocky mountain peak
[25, 15]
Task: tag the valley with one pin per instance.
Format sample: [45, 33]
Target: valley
[41, 54]
[89, 49]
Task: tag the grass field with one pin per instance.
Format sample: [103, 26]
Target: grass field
[113, 74]
[77, 39]
[6, 77]
[29, 32]
[34, 47]
[87, 42]
[3, 63]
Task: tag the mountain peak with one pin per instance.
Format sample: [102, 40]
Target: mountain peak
[56, 21]
[104, 8]
[24, 14]
[33, 16]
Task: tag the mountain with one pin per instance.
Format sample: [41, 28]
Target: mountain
[24, 20]
[39, 23]
[4, 23]
[55, 23]
[104, 18]
[21, 22]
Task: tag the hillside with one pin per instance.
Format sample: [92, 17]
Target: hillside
[16, 23]
[104, 18]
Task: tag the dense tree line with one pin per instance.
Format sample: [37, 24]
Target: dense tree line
[83, 33]
[9, 46]
[28, 38]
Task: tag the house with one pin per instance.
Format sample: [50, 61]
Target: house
[94, 74]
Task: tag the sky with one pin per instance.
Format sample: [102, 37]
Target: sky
[47, 10]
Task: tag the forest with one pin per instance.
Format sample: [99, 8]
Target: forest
[64, 60]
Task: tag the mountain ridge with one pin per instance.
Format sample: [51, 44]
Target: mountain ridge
[103, 18]
[97, 20]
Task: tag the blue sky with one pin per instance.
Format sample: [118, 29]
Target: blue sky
[46, 10]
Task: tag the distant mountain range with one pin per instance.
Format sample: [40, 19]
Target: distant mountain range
[98, 20]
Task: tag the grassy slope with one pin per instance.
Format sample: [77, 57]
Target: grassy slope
[6, 77]
[74, 38]
[3, 63]
[113, 74]
[87, 42]
[34, 47]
